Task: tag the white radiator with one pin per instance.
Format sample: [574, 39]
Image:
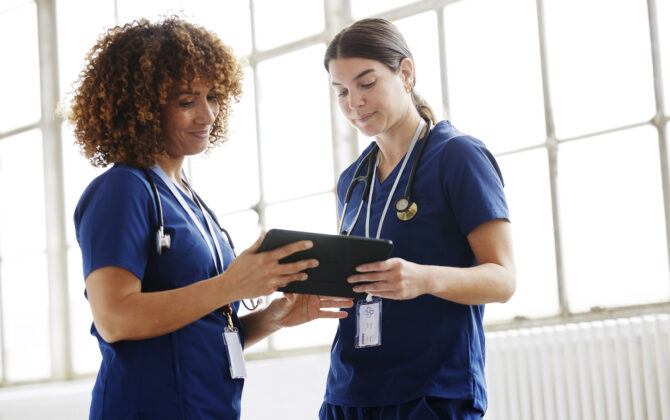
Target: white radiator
[613, 369]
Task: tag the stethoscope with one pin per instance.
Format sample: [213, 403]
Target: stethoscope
[405, 208]
[163, 240]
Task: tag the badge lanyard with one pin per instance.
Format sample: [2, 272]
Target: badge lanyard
[231, 336]
[369, 311]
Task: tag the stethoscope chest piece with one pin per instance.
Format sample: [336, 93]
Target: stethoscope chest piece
[162, 240]
[405, 210]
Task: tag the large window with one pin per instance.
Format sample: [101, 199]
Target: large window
[569, 95]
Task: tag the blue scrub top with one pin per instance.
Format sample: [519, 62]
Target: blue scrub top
[181, 375]
[430, 346]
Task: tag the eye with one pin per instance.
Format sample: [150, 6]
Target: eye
[185, 104]
[212, 98]
[368, 85]
[342, 93]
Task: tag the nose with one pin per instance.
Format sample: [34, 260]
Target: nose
[356, 99]
[207, 112]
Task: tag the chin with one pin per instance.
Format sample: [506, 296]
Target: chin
[366, 130]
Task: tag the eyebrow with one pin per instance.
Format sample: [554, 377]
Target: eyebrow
[361, 74]
[190, 92]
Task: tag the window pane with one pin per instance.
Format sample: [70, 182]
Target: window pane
[599, 64]
[73, 45]
[22, 223]
[364, 8]
[528, 194]
[129, 10]
[227, 179]
[420, 32]
[614, 244]
[276, 22]
[85, 352]
[243, 228]
[77, 174]
[8, 5]
[20, 81]
[295, 130]
[313, 214]
[663, 8]
[25, 308]
[230, 20]
[494, 75]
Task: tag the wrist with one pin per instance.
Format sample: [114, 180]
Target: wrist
[270, 316]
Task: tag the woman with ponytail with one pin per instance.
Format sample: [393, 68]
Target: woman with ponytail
[414, 349]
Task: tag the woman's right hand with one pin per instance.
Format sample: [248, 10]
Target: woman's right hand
[254, 274]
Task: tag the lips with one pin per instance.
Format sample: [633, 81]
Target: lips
[365, 117]
[200, 134]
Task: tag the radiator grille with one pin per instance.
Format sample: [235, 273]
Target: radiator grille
[613, 369]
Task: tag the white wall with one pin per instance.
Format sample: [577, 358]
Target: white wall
[289, 388]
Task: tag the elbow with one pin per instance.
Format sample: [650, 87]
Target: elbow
[108, 331]
[509, 286]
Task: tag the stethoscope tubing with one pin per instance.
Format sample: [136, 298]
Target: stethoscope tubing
[369, 159]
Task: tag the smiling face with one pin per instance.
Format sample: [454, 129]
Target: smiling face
[372, 97]
[187, 119]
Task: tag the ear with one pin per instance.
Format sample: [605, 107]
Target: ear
[406, 70]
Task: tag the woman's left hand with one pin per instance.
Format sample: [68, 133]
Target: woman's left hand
[394, 278]
[295, 309]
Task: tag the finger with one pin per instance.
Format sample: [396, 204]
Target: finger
[375, 288]
[336, 298]
[373, 266]
[336, 304]
[297, 266]
[283, 280]
[289, 249]
[332, 314]
[373, 276]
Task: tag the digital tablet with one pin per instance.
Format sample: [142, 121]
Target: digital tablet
[338, 257]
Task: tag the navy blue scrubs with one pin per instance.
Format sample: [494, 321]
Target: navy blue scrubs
[182, 375]
[432, 349]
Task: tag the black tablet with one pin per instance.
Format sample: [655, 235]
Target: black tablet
[338, 257]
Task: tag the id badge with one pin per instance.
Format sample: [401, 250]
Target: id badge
[232, 341]
[368, 323]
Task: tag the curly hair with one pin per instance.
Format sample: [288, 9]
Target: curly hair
[131, 72]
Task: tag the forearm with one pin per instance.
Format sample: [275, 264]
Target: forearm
[122, 312]
[485, 283]
[258, 325]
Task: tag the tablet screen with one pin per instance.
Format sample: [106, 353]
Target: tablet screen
[338, 257]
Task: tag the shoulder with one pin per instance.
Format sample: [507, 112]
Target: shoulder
[116, 186]
[448, 138]
[462, 154]
[119, 178]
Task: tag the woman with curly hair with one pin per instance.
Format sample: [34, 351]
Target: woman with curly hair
[165, 310]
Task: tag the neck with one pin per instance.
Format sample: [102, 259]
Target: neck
[394, 144]
[173, 168]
